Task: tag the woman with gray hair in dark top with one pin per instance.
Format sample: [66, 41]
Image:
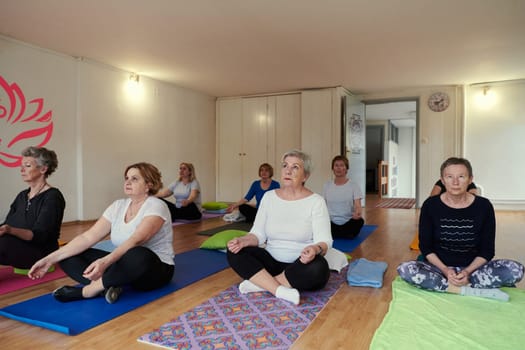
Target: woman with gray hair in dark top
[457, 235]
[32, 226]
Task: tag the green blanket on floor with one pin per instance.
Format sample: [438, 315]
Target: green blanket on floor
[419, 319]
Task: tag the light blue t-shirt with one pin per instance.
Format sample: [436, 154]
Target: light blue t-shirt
[182, 191]
[340, 200]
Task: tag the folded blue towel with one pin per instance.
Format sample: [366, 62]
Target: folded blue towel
[366, 273]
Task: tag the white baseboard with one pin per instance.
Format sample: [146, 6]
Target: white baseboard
[508, 204]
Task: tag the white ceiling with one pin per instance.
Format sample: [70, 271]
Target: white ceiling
[241, 47]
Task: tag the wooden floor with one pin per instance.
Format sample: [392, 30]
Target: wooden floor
[347, 322]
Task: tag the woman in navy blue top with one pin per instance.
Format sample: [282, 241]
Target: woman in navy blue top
[257, 190]
[457, 232]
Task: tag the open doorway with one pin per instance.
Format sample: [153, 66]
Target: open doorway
[391, 148]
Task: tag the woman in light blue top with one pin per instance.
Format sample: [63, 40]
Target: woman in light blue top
[343, 199]
[187, 193]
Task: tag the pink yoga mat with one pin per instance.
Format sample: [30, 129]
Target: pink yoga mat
[10, 281]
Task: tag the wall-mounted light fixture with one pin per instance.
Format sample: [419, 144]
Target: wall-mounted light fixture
[486, 90]
[134, 77]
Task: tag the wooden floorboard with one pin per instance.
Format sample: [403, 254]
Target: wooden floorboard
[347, 322]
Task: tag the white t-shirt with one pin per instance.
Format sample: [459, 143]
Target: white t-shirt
[182, 191]
[161, 243]
[340, 200]
[288, 226]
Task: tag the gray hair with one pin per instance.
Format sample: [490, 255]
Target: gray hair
[43, 157]
[307, 161]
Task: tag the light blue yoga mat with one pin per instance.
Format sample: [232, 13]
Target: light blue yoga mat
[348, 245]
[76, 317]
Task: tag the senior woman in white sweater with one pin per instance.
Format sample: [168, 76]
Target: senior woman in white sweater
[294, 226]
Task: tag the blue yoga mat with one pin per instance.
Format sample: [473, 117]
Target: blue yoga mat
[348, 245]
[76, 317]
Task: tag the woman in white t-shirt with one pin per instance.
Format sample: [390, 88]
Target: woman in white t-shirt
[293, 225]
[343, 199]
[140, 228]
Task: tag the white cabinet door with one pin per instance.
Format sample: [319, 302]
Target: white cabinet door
[254, 138]
[252, 131]
[229, 149]
[287, 123]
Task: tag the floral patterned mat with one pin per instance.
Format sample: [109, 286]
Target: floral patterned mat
[231, 320]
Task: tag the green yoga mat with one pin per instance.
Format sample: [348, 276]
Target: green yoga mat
[419, 319]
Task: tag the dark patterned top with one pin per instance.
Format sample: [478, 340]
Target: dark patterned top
[457, 236]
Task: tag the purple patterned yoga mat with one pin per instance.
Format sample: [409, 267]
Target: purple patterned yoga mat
[232, 320]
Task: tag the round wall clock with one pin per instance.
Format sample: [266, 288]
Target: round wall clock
[438, 101]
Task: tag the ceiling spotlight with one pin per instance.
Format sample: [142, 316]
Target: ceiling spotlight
[134, 77]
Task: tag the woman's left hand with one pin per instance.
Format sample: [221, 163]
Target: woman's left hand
[308, 254]
[95, 270]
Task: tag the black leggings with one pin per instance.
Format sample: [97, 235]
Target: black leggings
[311, 276]
[22, 254]
[139, 267]
[248, 211]
[189, 212]
[349, 229]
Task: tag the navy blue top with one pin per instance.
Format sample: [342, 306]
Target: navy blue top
[457, 236]
[258, 192]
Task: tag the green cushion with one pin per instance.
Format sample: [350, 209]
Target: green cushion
[220, 239]
[26, 271]
[215, 205]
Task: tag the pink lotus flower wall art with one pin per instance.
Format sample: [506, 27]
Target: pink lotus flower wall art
[22, 123]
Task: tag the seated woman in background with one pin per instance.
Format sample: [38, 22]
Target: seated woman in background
[257, 190]
[32, 226]
[140, 228]
[187, 193]
[457, 232]
[343, 199]
[293, 225]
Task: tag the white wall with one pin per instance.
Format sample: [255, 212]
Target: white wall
[99, 129]
[495, 141]
[52, 77]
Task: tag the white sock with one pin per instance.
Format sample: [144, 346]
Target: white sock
[246, 287]
[491, 293]
[288, 294]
